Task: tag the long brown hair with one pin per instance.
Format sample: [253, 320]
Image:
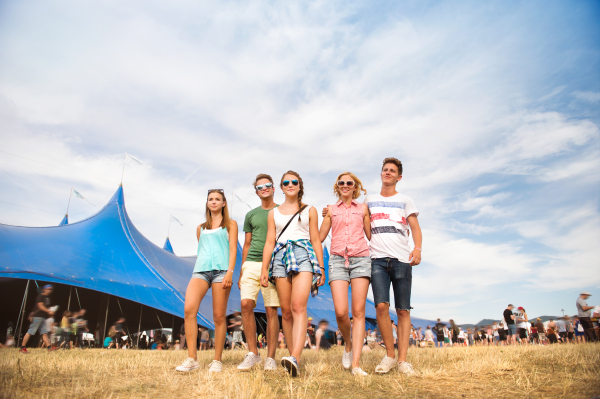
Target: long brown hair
[300, 187]
[358, 187]
[224, 212]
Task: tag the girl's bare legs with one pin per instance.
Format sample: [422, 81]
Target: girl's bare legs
[194, 294]
[301, 283]
[284, 290]
[360, 288]
[220, 297]
[339, 293]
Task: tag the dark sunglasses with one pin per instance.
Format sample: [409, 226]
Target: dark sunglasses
[287, 182]
[261, 186]
[348, 183]
[219, 190]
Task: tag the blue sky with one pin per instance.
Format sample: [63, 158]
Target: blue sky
[493, 109]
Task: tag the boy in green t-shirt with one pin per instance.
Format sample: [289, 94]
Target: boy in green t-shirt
[255, 227]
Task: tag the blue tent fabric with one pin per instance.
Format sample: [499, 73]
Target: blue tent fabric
[108, 254]
[168, 247]
[64, 221]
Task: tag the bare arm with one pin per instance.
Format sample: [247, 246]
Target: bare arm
[198, 229]
[233, 233]
[316, 242]
[247, 241]
[367, 221]
[415, 256]
[268, 249]
[587, 307]
[325, 226]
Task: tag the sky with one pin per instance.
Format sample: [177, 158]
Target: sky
[492, 107]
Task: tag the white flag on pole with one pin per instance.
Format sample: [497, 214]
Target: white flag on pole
[174, 219]
[79, 195]
[241, 200]
[137, 160]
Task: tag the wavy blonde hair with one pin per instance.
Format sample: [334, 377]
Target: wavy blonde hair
[358, 187]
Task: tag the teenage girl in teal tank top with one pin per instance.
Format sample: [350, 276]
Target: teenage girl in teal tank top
[217, 249]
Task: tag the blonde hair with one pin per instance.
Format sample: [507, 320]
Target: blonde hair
[358, 187]
[225, 212]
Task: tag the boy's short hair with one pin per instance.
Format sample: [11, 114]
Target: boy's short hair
[394, 161]
[262, 176]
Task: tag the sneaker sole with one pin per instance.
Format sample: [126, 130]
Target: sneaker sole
[188, 370]
[289, 366]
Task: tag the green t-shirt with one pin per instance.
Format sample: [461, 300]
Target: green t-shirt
[256, 222]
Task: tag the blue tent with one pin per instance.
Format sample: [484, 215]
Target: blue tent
[105, 253]
[168, 247]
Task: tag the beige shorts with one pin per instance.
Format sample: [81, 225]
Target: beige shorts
[250, 285]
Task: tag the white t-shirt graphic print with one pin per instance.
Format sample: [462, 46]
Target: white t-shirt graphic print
[389, 225]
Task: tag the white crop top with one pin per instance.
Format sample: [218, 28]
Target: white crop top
[297, 230]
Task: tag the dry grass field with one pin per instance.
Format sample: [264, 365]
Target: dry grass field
[571, 371]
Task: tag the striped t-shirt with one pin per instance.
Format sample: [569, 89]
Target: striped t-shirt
[389, 226]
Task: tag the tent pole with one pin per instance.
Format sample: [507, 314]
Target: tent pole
[105, 320]
[70, 292]
[22, 313]
[173, 330]
[78, 298]
[139, 327]
[70, 194]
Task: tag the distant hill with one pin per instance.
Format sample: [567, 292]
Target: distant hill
[487, 322]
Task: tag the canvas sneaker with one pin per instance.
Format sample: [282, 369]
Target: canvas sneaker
[291, 365]
[347, 360]
[23, 350]
[270, 364]
[250, 361]
[215, 367]
[406, 368]
[386, 364]
[188, 364]
[358, 371]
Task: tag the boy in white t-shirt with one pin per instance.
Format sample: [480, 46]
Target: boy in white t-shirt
[392, 260]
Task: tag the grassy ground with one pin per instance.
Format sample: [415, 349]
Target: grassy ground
[552, 371]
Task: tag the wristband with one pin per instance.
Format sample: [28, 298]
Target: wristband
[229, 271]
[418, 248]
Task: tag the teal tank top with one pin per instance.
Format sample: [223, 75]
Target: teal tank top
[213, 250]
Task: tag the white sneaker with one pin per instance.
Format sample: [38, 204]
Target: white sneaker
[188, 364]
[347, 360]
[270, 364]
[406, 368]
[215, 367]
[385, 365]
[291, 365]
[250, 361]
[358, 371]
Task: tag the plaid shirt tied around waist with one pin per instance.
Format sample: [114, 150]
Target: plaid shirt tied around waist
[289, 260]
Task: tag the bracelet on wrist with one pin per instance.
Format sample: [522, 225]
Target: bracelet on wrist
[418, 248]
[229, 271]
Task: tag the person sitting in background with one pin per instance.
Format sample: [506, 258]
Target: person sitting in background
[428, 334]
[322, 342]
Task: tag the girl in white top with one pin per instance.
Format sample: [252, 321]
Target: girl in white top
[293, 261]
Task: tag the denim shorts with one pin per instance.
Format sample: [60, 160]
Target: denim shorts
[302, 260]
[38, 324]
[512, 329]
[386, 271]
[360, 266]
[213, 276]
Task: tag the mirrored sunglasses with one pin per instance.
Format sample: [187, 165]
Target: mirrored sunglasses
[287, 182]
[348, 183]
[263, 186]
[219, 190]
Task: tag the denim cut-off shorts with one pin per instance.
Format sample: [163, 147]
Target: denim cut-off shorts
[386, 271]
[360, 266]
[302, 260]
[213, 276]
[38, 324]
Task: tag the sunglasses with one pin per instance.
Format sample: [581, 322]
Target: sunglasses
[348, 183]
[287, 182]
[219, 190]
[262, 186]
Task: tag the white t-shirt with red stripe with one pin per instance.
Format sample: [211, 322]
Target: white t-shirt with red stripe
[389, 227]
